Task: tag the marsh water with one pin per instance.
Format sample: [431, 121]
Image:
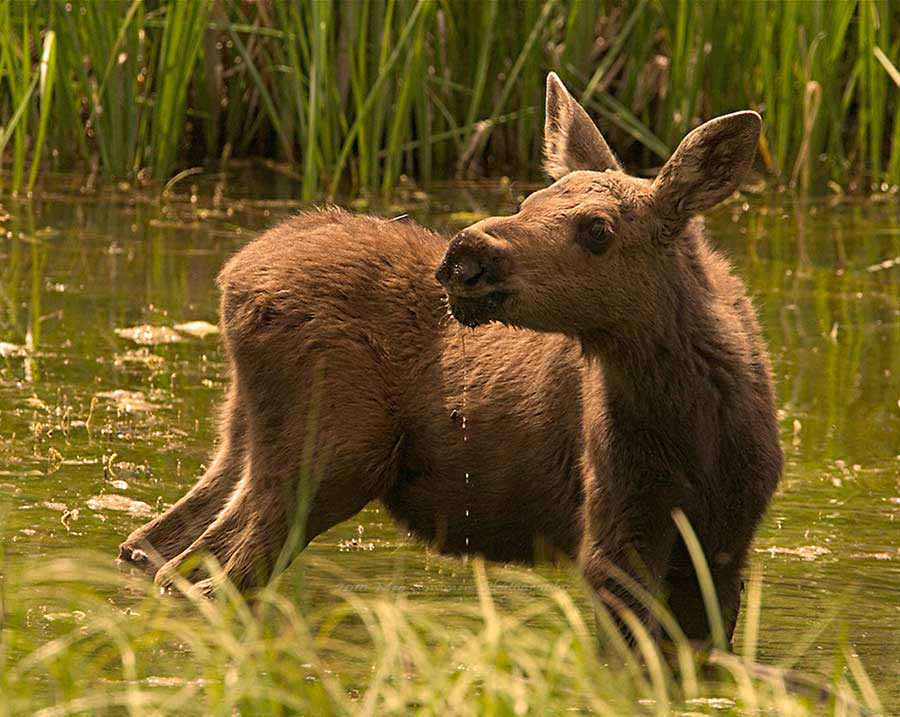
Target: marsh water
[100, 427]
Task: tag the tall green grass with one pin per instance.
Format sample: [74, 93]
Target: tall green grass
[26, 86]
[101, 48]
[353, 96]
[78, 636]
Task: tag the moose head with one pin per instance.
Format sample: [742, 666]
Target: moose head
[597, 250]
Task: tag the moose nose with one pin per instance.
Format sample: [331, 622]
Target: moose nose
[463, 271]
[469, 264]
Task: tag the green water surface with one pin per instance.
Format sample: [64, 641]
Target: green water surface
[96, 430]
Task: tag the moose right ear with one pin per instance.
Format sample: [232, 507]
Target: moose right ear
[708, 165]
[571, 139]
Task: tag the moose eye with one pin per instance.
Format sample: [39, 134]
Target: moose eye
[594, 235]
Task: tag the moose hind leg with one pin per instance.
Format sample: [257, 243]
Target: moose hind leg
[173, 531]
[318, 450]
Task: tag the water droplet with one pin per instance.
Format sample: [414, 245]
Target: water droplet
[464, 419]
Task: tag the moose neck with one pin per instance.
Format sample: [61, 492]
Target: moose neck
[659, 413]
[648, 377]
[672, 374]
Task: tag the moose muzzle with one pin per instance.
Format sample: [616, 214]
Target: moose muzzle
[472, 264]
[472, 272]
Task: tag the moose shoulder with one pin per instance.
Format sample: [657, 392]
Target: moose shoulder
[642, 385]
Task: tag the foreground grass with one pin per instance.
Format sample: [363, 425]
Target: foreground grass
[81, 637]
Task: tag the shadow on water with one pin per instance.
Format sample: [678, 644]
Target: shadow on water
[98, 431]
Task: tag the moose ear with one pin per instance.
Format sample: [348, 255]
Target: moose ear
[571, 139]
[708, 164]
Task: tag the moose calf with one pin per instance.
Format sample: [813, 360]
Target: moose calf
[641, 384]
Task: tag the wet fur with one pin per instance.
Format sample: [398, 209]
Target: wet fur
[352, 299]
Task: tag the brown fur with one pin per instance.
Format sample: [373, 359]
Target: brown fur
[643, 384]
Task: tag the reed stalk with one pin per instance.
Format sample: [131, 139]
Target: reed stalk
[354, 95]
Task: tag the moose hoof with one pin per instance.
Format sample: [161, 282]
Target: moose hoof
[206, 588]
[130, 554]
[140, 554]
[183, 570]
[166, 576]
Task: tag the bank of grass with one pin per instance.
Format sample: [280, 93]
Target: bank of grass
[80, 637]
[352, 95]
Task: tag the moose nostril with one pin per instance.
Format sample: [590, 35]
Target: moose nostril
[473, 280]
[470, 271]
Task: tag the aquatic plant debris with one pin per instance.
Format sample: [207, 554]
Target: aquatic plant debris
[886, 264]
[128, 401]
[114, 501]
[147, 335]
[142, 356]
[198, 329]
[8, 350]
[806, 552]
[716, 703]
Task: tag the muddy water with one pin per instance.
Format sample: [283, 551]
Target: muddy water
[100, 427]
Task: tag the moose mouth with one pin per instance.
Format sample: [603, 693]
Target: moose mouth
[473, 311]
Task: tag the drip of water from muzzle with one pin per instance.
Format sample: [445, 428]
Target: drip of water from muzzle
[464, 422]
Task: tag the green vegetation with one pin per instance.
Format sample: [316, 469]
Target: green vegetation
[353, 95]
[103, 642]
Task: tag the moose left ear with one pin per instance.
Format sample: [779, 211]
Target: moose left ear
[571, 139]
[708, 165]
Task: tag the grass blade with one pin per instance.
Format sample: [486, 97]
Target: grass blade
[707, 586]
[47, 77]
